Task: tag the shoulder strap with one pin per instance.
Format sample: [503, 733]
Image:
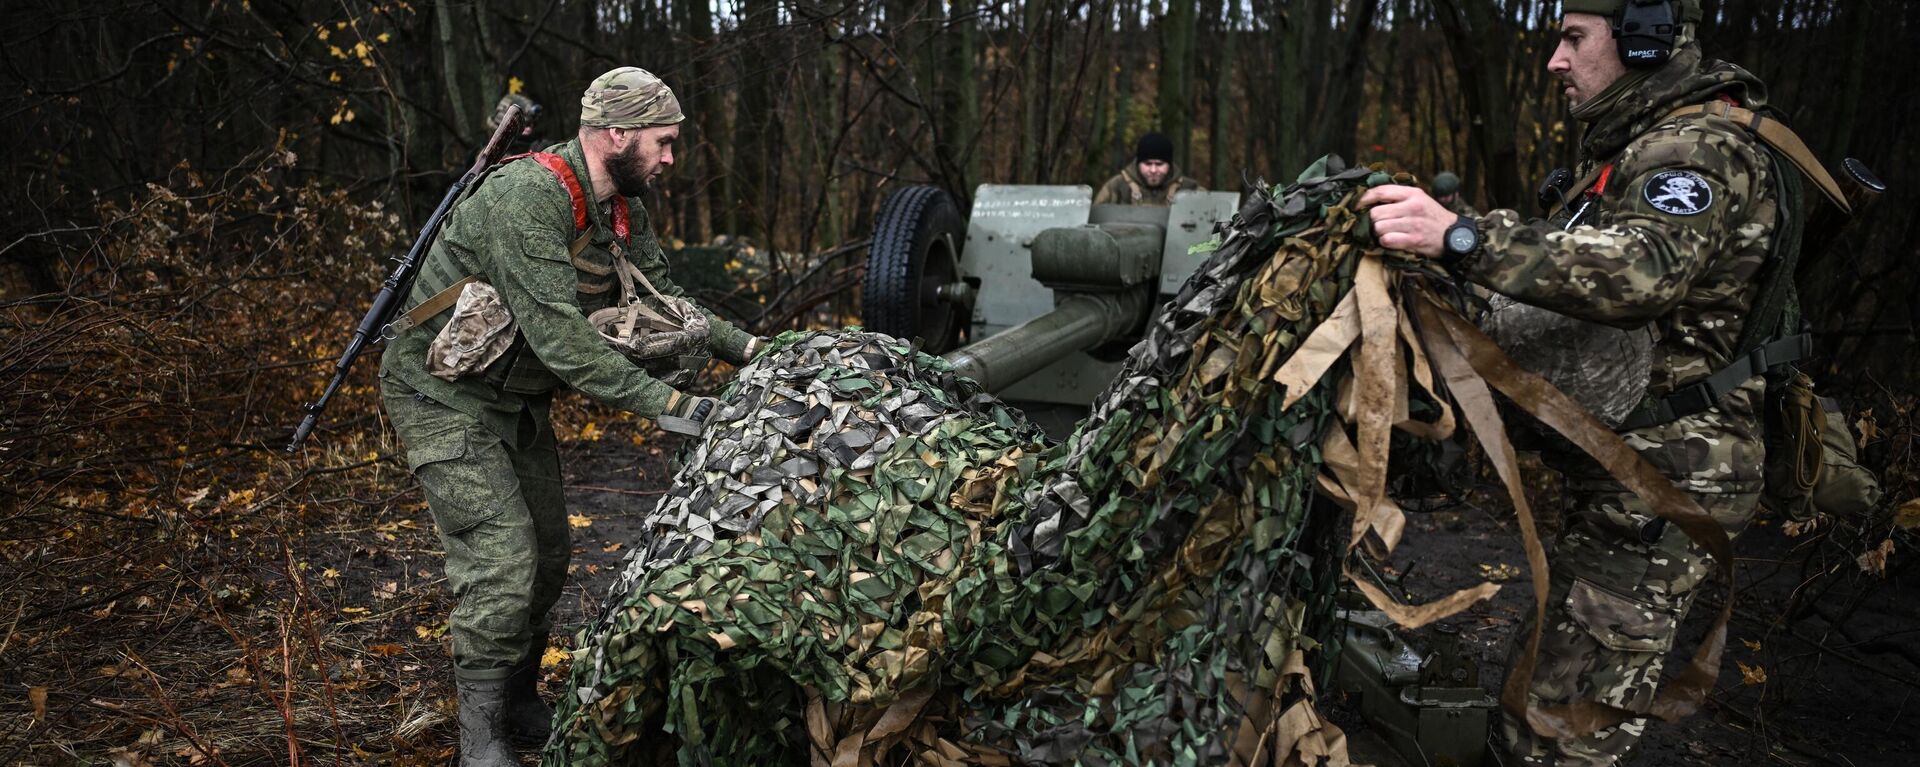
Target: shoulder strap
[1586, 183]
[1768, 337]
[563, 172]
[425, 310]
[1778, 136]
[557, 165]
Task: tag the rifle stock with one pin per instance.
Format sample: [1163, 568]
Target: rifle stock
[393, 290]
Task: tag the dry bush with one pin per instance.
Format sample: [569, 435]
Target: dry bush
[174, 582]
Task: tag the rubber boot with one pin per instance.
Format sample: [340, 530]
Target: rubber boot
[529, 720]
[483, 708]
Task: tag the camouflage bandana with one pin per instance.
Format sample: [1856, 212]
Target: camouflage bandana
[629, 97]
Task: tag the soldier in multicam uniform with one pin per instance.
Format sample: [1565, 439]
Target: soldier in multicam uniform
[1671, 235]
[546, 234]
[1151, 179]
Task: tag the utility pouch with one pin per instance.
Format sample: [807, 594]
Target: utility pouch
[1794, 423]
[1845, 489]
[476, 336]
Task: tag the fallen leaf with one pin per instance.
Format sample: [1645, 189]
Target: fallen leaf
[353, 610]
[612, 547]
[1751, 674]
[196, 496]
[1500, 572]
[1867, 427]
[553, 657]
[129, 758]
[1874, 560]
[1907, 517]
[387, 590]
[329, 573]
[38, 697]
[386, 650]
[1751, 645]
[1795, 529]
[579, 520]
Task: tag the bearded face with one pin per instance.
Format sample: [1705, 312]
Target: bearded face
[646, 156]
[631, 175]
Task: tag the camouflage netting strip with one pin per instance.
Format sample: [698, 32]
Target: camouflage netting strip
[865, 558]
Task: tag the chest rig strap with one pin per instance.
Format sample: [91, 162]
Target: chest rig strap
[582, 226]
[1768, 342]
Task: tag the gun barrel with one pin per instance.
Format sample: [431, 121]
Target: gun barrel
[1081, 321]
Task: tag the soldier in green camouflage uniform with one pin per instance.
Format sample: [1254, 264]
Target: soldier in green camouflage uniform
[482, 445]
[1674, 240]
[1446, 190]
[1150, 179]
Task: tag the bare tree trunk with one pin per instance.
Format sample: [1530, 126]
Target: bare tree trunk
[1176, 77]
[1480, 43]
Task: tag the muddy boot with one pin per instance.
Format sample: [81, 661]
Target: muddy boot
[483, 707]
[528, 719]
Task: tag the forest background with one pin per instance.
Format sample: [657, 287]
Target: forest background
[201, 197]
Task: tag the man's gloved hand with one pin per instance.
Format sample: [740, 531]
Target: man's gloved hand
[687, 413]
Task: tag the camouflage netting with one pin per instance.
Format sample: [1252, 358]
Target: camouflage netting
[865, 560]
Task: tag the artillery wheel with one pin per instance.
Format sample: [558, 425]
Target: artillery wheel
[914, 288]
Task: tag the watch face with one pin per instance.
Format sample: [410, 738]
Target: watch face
[1461, 239]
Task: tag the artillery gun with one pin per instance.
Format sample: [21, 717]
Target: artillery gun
[1038, 295]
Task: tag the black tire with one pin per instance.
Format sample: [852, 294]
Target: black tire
[917, 237]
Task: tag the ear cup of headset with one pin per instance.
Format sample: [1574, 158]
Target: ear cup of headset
[1645, 31]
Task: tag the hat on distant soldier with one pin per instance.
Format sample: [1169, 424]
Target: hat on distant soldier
[629, 97]
[1154, 146]
[527, 108]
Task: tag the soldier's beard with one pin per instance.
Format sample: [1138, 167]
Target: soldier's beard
[629, 172]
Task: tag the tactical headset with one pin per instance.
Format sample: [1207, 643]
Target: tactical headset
[1644, 32]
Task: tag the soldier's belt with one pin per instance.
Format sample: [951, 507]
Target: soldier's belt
[1707, 393]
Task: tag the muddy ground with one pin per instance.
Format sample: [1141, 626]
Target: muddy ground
[1817, 690]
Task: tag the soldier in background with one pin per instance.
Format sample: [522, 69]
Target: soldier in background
[557, 236]
[1446, 191]
[1677, 218]
[1151, 179]
[528, 137]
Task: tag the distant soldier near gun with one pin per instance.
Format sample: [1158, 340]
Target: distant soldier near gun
[1150, 178]
[546, 276]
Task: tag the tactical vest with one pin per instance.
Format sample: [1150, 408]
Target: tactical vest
[441, 279]
[1771, 337]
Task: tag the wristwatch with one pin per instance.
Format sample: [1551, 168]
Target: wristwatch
[1461, 240]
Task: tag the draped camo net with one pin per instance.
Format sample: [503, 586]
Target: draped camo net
[866, 560]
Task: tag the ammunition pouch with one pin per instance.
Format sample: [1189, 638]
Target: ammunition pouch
[477, 335]
[1812, 464]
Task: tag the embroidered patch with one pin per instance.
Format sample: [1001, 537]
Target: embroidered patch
[1679, 192]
